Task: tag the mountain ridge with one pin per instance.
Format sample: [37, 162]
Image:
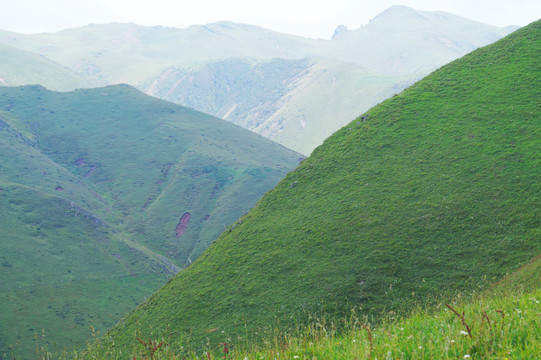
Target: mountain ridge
[166, 62]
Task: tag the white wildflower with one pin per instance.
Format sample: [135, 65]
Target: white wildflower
[467, 356]
[420, 347]
[462, 332]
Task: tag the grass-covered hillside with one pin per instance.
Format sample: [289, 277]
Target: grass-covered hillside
[501, 323]
[293, 90]
[63, 269]
[147, 162]
[20, 67]
[104, 194]
[432, 193]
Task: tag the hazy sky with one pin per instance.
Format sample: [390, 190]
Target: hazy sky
[308, 18]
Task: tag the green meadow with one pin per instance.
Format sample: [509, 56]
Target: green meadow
[430, 194]
[136, 228]
[95, 186]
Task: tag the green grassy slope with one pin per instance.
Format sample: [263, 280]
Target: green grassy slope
[61, 262]
[63, 269]
[503, 325]
[24, 164]
[437, 192]
[95, 186]
[150, 161]
[21, 67]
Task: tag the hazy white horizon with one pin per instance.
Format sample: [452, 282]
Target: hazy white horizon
[307, 18]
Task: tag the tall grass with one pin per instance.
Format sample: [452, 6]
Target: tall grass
[491, 327]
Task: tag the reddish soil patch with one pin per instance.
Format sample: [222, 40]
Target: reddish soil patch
[59, 188]
[183, 224]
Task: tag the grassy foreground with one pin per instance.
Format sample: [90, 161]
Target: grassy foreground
[502, 324]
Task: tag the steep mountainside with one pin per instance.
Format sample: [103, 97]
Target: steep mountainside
[293, 102]
[431, 193]
[104, 194]
[278, 85]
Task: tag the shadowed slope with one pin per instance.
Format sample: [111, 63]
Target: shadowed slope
[148, 161]
[94, 185]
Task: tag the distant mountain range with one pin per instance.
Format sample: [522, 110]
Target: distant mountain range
[431, 195]
[106, 193]
[293, 90]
